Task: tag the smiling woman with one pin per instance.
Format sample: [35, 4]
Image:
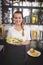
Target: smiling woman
[17, 33]
[19, 30]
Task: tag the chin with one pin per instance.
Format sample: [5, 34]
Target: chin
[18, 24]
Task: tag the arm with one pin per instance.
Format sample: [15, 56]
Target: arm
[28, 38]
[9, 33]
[25, 42]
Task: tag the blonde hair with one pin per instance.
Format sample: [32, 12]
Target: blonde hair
[21, 23]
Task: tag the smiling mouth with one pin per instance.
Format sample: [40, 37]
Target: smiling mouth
[18, 21]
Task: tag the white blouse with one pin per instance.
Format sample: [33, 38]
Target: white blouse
[12, 32]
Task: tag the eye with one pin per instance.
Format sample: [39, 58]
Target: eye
[15, 17]
[19, 17]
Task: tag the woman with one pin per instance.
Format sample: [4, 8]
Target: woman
[16, 53]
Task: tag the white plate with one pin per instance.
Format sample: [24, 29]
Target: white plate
[12, 43]
[29, 53]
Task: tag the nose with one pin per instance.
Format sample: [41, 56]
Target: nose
[18, 19]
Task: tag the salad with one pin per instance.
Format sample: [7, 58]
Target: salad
[13, 40]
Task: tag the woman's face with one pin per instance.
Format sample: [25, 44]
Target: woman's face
[18, 18]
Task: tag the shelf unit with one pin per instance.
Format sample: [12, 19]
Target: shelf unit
[34, 13]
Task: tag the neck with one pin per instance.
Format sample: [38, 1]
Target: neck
[19, 26]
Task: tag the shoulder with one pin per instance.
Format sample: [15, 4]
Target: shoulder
[11, 28]
[27, 27]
